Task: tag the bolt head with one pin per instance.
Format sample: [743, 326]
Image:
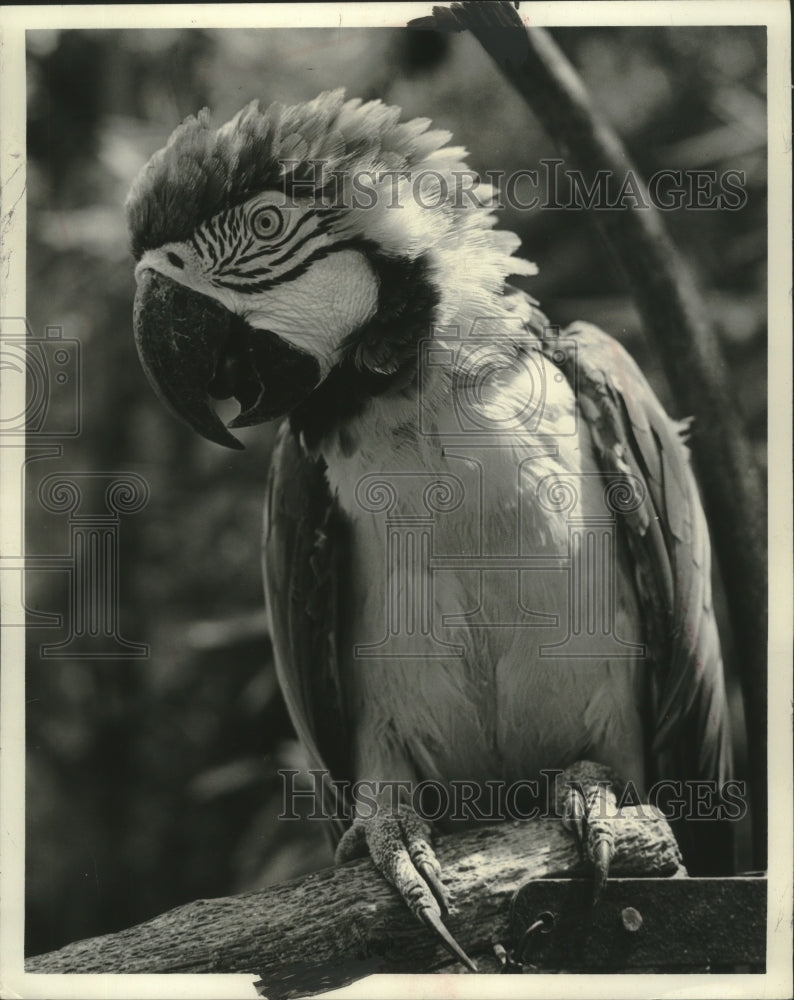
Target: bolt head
[632, 919]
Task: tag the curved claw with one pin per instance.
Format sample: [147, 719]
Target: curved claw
[433, 920]
[603, 853]
[428, 873]
[400, 849]
[574, 819]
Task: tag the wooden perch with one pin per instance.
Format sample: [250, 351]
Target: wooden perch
[674, 315]
[332, 927]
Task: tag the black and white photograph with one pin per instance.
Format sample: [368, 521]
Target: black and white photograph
[396, 468]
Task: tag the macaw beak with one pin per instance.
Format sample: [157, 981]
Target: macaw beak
[193, 349]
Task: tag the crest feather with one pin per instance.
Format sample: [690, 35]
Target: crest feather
[202, 171]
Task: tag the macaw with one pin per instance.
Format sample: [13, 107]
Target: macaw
[450, 596]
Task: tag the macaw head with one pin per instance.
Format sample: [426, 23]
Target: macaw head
[293, 258]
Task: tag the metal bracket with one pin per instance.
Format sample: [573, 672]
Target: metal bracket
[653, 924]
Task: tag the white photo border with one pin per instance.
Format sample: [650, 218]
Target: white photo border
[775, 14]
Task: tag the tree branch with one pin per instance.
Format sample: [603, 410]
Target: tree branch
[340, 924]
[673, 313]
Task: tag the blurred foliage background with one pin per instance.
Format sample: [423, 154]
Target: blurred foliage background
[152, 782]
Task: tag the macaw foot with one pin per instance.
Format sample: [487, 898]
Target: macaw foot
[399, 844]
[587, 801]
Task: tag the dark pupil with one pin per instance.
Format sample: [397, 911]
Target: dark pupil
[267, 222]
[175, 259]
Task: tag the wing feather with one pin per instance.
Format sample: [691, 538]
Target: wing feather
[303, 565]
[670, 551]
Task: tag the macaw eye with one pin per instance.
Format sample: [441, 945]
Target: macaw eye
[175, 259]
[267, 222]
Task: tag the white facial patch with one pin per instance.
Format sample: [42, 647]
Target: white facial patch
[317, 310]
